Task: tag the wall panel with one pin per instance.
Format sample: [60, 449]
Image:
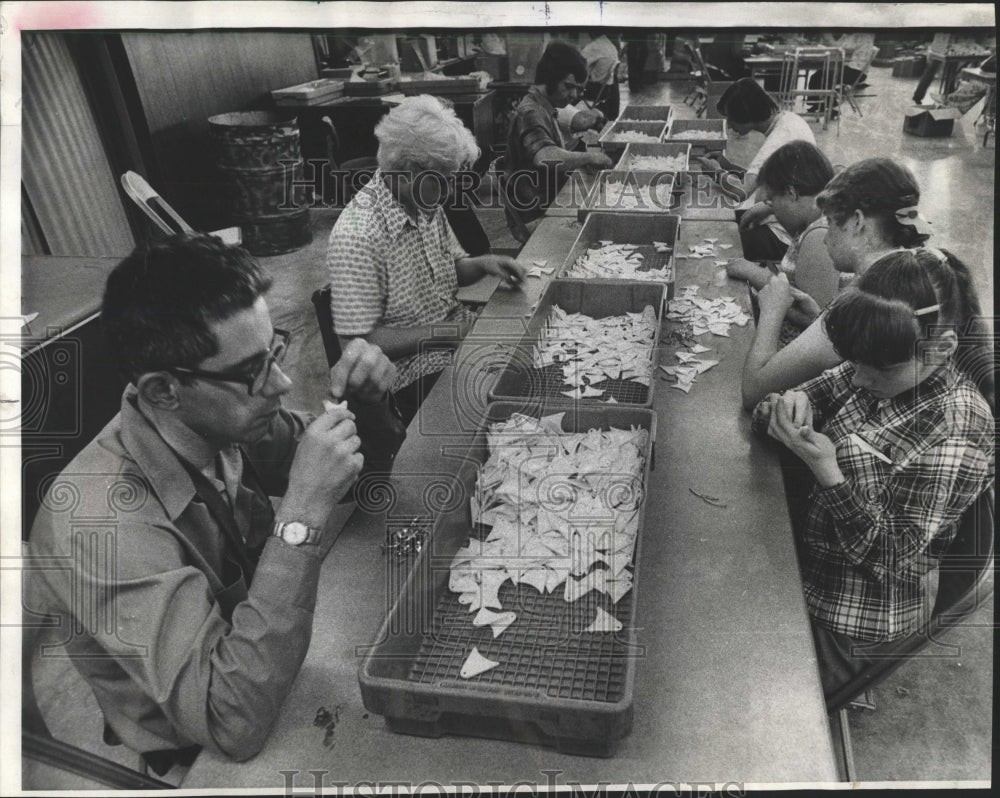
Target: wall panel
[185, 77]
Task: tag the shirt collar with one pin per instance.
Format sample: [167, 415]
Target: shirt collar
[543, 100]
[158, 463]
[395, 215]
[930, 389]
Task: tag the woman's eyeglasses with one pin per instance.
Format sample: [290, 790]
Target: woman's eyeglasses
[254, 376]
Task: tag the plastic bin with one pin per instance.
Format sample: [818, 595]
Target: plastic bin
[646, 113]
[716, 128]
[666, 149]
[520, 379]
[640, 230]
[613, 144]
[555, 685]
[652, 192]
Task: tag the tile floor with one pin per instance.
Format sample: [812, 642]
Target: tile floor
[933, 720]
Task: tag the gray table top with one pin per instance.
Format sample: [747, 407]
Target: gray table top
[727, 689]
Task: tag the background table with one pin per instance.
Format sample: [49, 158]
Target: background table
[727, 689]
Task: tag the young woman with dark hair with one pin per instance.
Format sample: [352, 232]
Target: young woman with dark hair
[899, 441]
[746, 106]
[871, 210]
[788, 183]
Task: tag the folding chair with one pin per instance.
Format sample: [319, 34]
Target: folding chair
[797, 64]
[324, 318]
[164, 216]
[963, 585]
[850, 91]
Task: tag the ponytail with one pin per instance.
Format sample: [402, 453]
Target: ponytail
[907, 297]
[974, 356]
[883, 190]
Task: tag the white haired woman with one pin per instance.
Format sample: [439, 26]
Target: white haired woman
[395, 264]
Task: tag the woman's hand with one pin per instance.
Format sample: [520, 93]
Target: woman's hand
[815, 449]
[363, 372]
[710, 167]
[776, 297]
[504, 267]
[804, 308]
[755, 215]
[586, 119]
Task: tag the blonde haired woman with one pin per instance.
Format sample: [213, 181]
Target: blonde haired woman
[394, 262]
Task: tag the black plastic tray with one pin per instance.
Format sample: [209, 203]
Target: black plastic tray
[520, 379]
[556, 685]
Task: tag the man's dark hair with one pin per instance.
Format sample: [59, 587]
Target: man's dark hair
[799, 165]
[158, 301]
[746, 103]
[559, 60]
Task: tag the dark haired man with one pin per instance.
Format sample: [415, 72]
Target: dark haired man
[186, 602]
[537, 158]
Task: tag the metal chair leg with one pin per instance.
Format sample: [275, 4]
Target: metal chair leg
[846, 750]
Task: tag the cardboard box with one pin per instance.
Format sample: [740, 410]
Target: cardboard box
[930, 122]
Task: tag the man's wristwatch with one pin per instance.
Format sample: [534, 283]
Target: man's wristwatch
[295, 533]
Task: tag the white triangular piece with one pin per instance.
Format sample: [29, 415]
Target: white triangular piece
[705, 365]
[603, 622]
[684, 386]
[725, 246]
[475, 664]
[698, 349]
[503, 620]
[710, 240]
[485, 617]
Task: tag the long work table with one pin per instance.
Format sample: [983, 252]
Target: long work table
[727, 689]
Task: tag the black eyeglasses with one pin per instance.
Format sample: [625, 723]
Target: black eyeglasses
[254, 376]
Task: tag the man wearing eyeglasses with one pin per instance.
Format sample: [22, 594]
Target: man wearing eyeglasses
[185, 601]
[538, 158]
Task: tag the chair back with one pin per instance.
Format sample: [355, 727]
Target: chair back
[870, 54]
[153, 205]
[324, 318]
[963, 584]
[966, 564]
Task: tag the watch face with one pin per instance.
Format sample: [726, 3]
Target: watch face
[295, 533]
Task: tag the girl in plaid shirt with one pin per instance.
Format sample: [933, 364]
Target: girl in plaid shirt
[899, 441]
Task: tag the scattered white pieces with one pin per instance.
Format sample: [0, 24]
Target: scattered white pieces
[629, 195]
[706, 315]
[630, 135]
[475, 664]
[538, 268]
[603, 622]
[591, 351]
[658, 163]
[619, 261]
[697, 134]
[497, 621]
[583, 543]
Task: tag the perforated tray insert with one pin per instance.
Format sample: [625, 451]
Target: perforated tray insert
[548, 382]
[545, 649]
